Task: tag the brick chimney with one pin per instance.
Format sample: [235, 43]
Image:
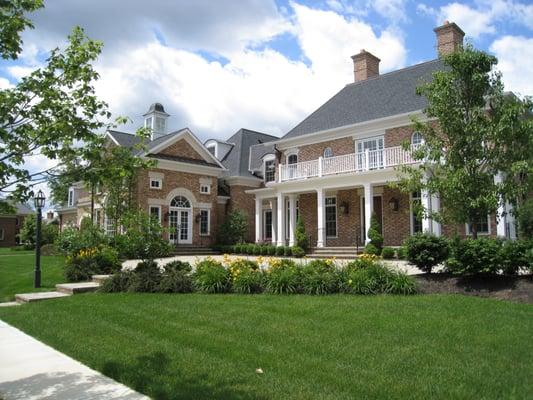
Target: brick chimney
[365, 65]
[449, 38]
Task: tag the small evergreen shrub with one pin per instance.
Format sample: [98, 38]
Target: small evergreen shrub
[297, 252]
[146, 278]
[238, 248]
[257, 250]
[118, 282]
[280, 250]
[426, 251]
[387, 253]
[513, 256]
[287, 251]
[178, 265]
[372, 249]
[264, 250]
[302, 240]
[376, 238]
[475, 256]
[319, 277]
[283, 277]
[233, 229]
[271, 250]
[250, 248]
[402, 253]
[175, 281]
[211, 277]
[401, 283]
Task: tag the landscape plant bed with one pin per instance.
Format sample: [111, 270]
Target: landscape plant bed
[504, 287]
[197, 346]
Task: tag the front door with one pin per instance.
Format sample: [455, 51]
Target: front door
[180, 226]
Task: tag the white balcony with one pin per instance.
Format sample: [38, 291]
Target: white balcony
[354, 162]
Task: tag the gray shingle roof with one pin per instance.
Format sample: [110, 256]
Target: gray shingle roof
[237, 159]
[383, 96]
[257, 153]
[124, 139]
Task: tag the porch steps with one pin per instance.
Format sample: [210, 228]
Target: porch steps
[75, 288]
[62, 290]
[194, 251]
[343, 253]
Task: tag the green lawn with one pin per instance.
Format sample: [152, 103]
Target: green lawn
[16, 272]
[333, 347]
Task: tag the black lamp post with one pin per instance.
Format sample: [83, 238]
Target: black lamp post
[39, 204]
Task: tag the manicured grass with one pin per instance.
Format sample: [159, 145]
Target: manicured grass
[16, 273]
[332, 347]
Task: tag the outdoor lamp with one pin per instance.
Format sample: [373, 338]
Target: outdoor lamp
[344, 208]
[38, 201]
[393, 204]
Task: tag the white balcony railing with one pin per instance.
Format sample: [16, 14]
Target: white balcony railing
[348, 163]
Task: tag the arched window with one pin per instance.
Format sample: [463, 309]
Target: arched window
[180, 202]
[416, 138]
[292, 158]
[328, 152]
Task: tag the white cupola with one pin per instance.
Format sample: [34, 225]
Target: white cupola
[156, 119]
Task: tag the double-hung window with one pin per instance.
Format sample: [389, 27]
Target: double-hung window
[270, 170]
[482, 226]
[204, 222]
[71, 197]
[331, 216]
[155, 213]
[156, 183]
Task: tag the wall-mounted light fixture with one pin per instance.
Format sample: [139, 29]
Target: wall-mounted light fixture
[344, 208]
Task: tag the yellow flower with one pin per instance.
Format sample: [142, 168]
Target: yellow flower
[350, 281]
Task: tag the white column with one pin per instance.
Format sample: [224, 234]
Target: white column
[258, 220]
[369, 208]
[435, 207]
[274, 222]
[426, 203]
[281, 219]
[321, 234]
[292, 219]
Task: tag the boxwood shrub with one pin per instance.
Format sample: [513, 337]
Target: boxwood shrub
[426, 251]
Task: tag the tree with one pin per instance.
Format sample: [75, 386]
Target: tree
[302, 240]
[481, 132]
[376, 238]
[233, 229]
[52, 112]
[49, 232]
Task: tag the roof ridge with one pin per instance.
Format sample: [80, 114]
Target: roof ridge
[393, 72]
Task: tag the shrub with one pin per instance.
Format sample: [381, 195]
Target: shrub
[402, 253]
[257, 249]
[88, 262]
[71, 240]
[426, 251]
[175, 280]
[376, 278]
[375, 237]
[238, 248]
[319, 277]
[49, 250]
[233, 229]
[287, 251]
[118, 282]
[302, 240]
[250, 249]
[211, 277]
[280, 250]
[387, 253]
[372, 249]
[514, 255]
[283, 277]
[525, 219]
[178, 265]
[246, 277]
[143, 238]
[401, 283]
[297, 252]
[146, 277]
[271, 250]
[28, 231]
[475, 256]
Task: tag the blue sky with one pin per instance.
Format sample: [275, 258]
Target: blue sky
[261, 64]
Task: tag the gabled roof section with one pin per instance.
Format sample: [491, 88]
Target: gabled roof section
[257, 152]
[123, 139]
[238, 158]
[385, 95]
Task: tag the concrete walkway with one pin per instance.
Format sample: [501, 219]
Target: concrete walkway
[31, 370]
[398, 265]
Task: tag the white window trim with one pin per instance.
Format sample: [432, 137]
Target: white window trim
[488, 233]
[207, 185]
[336, 218]
[156, 180]
[158, 211]
[264, 224]
[2, 234]
[413, 135]
[324, 152]
[208, 223]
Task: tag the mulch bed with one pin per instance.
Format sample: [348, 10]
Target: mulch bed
[514, 288]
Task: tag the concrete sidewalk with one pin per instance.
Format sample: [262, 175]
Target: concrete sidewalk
[31, 370]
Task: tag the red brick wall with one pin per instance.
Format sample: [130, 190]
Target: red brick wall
[174, 180]
[396, 224]
[182, 149]
[11, 229]
[245, 203]
[450, 230]
[313, 151]
[396, 136]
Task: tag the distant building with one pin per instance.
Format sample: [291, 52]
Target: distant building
[10, 225]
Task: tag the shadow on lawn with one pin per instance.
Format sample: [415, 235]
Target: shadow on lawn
[156, 377]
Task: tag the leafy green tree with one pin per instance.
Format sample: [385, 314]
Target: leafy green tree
[28, 231]
[481, 132]
[12, 22]
[525, 219]
[233, 229]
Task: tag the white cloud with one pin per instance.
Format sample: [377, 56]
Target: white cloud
[480, 18]
[514, 54]
[4, 83]
[393, 10]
